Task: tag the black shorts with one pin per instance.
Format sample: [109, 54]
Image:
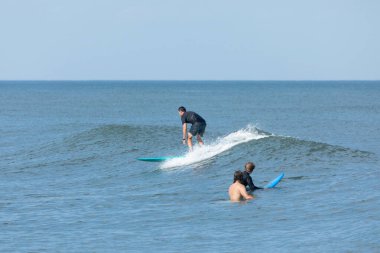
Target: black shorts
[198, 128]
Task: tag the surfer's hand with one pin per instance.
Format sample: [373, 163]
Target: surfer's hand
[184, 142]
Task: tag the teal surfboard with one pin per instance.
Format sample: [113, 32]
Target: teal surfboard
[275, 181]
[157, 159]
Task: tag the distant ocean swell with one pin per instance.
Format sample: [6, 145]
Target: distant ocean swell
[130, 142]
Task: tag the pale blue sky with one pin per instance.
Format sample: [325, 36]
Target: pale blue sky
[190, 40]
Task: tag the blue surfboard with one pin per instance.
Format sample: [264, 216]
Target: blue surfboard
[274, 182]
[157, 159]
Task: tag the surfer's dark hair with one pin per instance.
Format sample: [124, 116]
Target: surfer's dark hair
[181, 109]
[249, 166]
[238, 176]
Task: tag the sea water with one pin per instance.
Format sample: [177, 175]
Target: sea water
[70, 181]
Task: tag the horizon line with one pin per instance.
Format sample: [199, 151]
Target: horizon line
[188, 80]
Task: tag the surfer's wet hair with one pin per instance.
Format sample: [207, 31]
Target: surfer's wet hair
[238, 176]
[249, 166]
[181, 109]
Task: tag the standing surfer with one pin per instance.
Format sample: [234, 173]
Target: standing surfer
[198, 126]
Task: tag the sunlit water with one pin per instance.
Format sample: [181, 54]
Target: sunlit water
[70, 181]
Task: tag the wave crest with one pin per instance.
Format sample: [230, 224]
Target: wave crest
[220, 145]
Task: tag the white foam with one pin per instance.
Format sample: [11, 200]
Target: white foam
[216, 147]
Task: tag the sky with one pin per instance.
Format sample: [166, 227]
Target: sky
[189, 40]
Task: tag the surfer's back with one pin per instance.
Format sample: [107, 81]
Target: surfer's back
[237, 190]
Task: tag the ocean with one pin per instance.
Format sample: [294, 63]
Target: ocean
[70, 180]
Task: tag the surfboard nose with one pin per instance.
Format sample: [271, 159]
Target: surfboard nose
[157, 159]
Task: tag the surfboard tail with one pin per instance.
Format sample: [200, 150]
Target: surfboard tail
[275, 181]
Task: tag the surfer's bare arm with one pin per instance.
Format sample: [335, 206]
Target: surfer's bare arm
[184, 128]
[244, 193]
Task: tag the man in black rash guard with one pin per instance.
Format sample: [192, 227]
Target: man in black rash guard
[247, 180]
[198, 126]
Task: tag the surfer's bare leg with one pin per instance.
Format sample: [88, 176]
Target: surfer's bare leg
[199, 139]
[190, 141]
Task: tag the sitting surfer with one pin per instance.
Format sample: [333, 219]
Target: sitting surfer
[198, 126]
[237, 190]
[247, 179]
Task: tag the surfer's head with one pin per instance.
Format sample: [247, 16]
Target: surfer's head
[249, 167]
[238, 176]
[181, 110]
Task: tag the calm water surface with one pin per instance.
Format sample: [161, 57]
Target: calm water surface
[70, 181]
